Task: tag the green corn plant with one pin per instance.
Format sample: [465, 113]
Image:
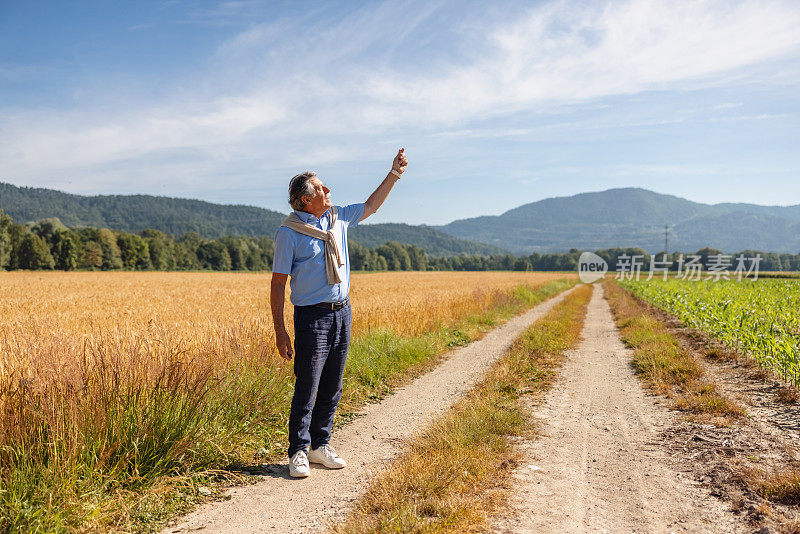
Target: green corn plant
[760, 318]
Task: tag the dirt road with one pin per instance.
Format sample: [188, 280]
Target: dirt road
[599, 465]
[281, 504]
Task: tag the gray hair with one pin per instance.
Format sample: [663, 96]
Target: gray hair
[300, 186]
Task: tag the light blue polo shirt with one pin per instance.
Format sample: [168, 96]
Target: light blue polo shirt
[303, 258]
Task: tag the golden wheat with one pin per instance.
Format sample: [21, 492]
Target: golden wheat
[53, 316]
[118, 378]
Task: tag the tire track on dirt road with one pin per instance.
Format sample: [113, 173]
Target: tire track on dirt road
[599, 465]
[281, 504]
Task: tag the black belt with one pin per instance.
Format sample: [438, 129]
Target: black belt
[333, 306]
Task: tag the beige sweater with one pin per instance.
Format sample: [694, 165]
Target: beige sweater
[333, 255]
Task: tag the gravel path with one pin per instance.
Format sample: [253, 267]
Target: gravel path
[282, 504]
[599, 465]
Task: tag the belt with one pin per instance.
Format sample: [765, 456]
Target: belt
[333, 306]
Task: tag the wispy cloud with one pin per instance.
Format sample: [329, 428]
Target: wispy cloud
[728, 105]
[398, 66]
[556, 53]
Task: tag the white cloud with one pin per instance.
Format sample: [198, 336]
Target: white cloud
[42, 139]
[557, 53]
[384, 68]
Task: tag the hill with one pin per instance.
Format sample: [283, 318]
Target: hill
[435, 242]
[176, 216]
[626, 217]
[634, 217]
[134, 213]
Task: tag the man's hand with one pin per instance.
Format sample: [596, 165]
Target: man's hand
[400, 161]
[379, 195]
[284, 345]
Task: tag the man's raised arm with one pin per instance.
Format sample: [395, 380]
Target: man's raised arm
[377, 197]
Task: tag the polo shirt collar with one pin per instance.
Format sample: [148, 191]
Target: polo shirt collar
[308, 218]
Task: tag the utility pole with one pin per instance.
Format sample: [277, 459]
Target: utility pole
[666, 238]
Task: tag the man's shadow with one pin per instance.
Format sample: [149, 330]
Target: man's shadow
[272, 470]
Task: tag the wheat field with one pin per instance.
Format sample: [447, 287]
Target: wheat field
[53, 317]
[110, 381]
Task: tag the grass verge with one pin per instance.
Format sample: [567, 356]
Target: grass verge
[667, 368]
[129, 445]
[452, 475]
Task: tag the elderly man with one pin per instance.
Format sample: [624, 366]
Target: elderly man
[311, 247]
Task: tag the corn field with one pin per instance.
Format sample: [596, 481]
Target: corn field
[760, 318]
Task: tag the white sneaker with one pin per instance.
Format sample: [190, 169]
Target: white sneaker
[298, 465]
[326, 456]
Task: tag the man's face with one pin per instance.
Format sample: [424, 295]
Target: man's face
[320, 201]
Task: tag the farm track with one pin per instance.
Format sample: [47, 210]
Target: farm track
[369, 443]
[600, 464]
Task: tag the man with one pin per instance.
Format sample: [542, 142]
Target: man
[311, 247]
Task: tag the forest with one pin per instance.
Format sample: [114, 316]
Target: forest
[49, 244]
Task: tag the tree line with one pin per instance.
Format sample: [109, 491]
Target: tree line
[49, 244]
[398, 257]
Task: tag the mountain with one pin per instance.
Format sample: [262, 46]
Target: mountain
[634, 217]
[134, 213]
[435, 242]
[626, 217]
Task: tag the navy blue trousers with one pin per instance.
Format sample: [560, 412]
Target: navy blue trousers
[321, 340]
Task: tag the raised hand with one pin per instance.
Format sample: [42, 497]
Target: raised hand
[400, 162]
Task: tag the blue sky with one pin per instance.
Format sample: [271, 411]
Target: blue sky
[497, 103]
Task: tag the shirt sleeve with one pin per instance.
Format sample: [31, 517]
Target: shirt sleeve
[351, 214]
[284, 251]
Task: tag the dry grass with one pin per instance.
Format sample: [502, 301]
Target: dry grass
[788, 394]
[720, 353]
[782, 487]
[669, 369]
[452, 476]
[115, 384]
[703, 398]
